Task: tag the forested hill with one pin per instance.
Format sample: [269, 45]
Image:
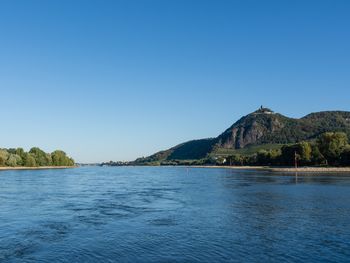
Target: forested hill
[17, 157]
[258, 129]
[266, 127]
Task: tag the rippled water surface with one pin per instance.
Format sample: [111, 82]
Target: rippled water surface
[135, 214]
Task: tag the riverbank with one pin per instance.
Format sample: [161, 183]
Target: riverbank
[283, 169]
[4, 168]
[312, 169]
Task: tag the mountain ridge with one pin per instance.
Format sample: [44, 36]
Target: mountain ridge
[261, 127]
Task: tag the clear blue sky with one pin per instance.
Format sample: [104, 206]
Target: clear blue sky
[115, 80]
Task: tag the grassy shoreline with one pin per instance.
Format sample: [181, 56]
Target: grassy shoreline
[4, 168]
[283, 169]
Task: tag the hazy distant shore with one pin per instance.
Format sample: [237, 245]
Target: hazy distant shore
[283, 169]
[36, 168]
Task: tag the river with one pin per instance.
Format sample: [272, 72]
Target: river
[173, 214]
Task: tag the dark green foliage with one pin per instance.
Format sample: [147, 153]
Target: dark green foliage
[196, 149]
[191, 150]
[317, 157]
[331, 145]
[309, 127]
[345, 156]
[271, 157]
[20, 152]
[11, 150]
[235, 159]
[301, 151]
[328, 121]
[39, 156]
[249, 150]
[29, 160]
[330, 148]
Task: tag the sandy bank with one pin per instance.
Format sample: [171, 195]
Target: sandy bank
[36, 168]
[231, 167]
[312, 169]
[285, 169]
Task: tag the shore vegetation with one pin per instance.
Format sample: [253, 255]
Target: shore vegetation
[35, 157]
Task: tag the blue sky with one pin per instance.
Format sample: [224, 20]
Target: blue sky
[116, 80]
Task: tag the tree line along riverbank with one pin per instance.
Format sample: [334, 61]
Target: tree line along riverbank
[35, 157]
[329, 149]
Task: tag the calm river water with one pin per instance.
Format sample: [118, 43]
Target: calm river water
[150, 214]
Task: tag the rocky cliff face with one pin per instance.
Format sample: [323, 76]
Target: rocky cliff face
[251, 129]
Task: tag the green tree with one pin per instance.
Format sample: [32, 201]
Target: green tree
[303, 151]
[3, 157]
[235, 159]
[35, 157]
[20, 152]
[59, 158]
[270, 157]
[48, 159]
[29, 160]
[14, 160]
[317, 157]
[251, 159]
[331, 145]
[40, 156]
[11, 150]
